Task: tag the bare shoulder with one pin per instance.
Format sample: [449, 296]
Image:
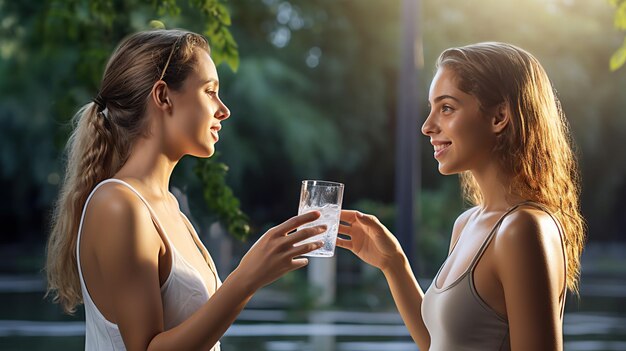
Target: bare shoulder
[116, 198]
[114, 202]
[123, 247]
[529, 238]
[529, 264]
[528, 227]
[459, 224]
[116, 217]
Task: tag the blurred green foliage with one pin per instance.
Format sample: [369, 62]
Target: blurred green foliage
[220, 197]
[436, 212]
[314, 96]
[619, 56]
[57, 45]
[574, 41]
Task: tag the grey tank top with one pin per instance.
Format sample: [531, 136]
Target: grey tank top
[458, 319]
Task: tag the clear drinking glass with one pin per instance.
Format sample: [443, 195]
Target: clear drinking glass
[326, 197]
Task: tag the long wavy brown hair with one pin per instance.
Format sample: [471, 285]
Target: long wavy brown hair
[104, 131]
[536, 148]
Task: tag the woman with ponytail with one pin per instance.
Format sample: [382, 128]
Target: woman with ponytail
[119, 243]
[496, 121]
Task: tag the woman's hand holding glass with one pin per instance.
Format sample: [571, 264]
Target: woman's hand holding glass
[369, 239]
[274, 254]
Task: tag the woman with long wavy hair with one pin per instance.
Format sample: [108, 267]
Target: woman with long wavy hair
[494, 120]
[119, 243]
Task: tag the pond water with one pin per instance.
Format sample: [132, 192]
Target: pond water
[596, 321]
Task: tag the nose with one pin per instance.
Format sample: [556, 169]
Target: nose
[430, 126]
[222, 112]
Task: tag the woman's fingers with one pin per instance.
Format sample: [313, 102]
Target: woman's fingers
[305, 233]
[369, 219]
[349, 216]
[346, 244]
[355, 222]
[344, 229]
[304, 248]
[371, 226]
[298, 263]
[296, 221]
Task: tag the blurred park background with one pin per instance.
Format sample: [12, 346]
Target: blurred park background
[313, 87]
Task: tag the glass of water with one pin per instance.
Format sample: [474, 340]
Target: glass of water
[326, 197]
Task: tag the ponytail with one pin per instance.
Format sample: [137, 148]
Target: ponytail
[91, 158]
[103, 134]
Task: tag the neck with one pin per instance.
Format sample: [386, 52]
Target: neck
[150, 164]
[495, 187]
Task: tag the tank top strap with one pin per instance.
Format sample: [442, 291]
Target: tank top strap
[155, 219]
[491, 234]
[545, 209]
[153, 215]
[198, 242]
[86, 299]
[203, 250]
[195, 237]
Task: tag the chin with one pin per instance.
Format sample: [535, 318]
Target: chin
[205, 151]
[209, 153]
[447, 170]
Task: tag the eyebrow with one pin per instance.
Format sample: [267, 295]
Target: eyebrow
[443, 97]
[211, 80]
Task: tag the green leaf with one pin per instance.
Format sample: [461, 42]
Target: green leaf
[620, 17]
[233, 62]
[616, 2]
[223, 46]
[618, 59]
[219, 197]
[156, 24]
[223, 15]
[166, 7]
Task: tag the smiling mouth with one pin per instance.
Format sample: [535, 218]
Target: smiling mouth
[441, 148]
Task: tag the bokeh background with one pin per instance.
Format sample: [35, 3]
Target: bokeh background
[313, 90]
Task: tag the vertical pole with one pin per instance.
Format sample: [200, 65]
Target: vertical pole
[322, 276]
[407, 177]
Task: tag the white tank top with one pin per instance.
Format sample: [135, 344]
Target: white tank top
[183, 293]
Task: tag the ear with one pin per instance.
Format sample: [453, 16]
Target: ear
[160, 96]
[500, 118]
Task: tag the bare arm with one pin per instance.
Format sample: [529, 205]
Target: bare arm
[129, 265]
[272, 256]
[408, 296]
[373, 243]
[529, 264]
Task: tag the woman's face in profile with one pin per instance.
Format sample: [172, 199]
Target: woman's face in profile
[197, 109]
[459, 131]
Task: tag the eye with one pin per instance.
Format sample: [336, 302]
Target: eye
[211, 92]
[446, 109]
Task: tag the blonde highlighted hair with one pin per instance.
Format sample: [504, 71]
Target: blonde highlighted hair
[104, 131]
[536, 147]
